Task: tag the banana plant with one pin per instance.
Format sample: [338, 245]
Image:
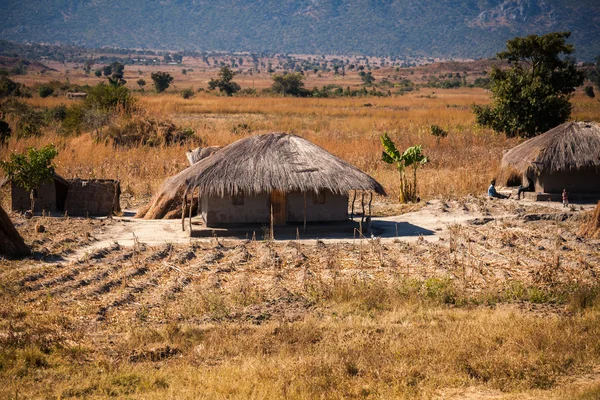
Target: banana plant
[391, 155]
[413, 156]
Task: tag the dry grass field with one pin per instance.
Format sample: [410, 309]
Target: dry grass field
[501, 310]
[506, 308]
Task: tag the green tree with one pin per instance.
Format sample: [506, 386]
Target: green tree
[533, 95]
[412, 157]
[225, 82]
[290, 84]
[367, 78]
[31, 170]
[162, 81]
[141, 83]
[8, 87]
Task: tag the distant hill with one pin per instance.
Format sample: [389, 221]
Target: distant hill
[442, 28]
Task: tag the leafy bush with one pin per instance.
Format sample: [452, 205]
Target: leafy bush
[187, 93]
[589, 91]
[45, 91]
[9, 88]
[438, 132]
[110, 98]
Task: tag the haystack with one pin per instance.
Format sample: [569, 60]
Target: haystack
[565, 157]
[591, 228]
[11, 243]
[259, 165]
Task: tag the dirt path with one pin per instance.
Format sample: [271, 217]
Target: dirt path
[429, 223]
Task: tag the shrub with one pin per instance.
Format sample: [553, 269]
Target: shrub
[589, 91]
[187, 93]
[110, 98]
[145, 132]
[438, 132]
[45, 91]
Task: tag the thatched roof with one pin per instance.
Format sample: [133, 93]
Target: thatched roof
[568, 147]
[55, 177]
[272, 161]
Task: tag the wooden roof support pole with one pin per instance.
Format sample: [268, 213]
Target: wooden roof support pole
[271, 235]
[304, 230]
[183, 204]
[191, 207]
[353, 200]
[369, 217]
[362, 218]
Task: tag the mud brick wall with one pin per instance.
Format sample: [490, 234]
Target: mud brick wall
[94, 197]
[45, 201]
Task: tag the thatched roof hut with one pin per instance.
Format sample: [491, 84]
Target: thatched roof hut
[265, 170]
[565, 157]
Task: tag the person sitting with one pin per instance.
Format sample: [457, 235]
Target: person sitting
[529, 188]
[493, 193]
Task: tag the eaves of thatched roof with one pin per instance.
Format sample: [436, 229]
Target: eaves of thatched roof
[571, 146]
[55, 177]
[273, 161]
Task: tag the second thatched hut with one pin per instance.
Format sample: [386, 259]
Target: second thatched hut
[565, 157]
[272, 178]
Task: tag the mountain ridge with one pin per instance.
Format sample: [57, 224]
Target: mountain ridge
[444, 28]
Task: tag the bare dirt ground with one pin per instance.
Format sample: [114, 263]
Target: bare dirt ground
[430, 222]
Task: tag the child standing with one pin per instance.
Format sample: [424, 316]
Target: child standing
[565, 197]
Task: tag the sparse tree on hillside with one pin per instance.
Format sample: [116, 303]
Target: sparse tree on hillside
[141, 83]
[162, 81]
[225, 82]
[290, 84]
[532, 96]
[30, 170]
[367, 78]
[114, 73]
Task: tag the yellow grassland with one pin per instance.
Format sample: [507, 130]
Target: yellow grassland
[461, 164]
